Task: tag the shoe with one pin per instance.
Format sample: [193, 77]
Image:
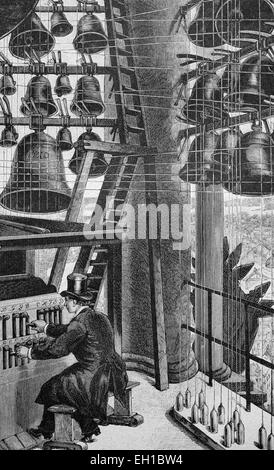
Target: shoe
[38, 432]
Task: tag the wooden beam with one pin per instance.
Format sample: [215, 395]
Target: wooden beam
[120, 149]
[114, 289]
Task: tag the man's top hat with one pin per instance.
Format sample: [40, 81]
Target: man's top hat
[77, 288]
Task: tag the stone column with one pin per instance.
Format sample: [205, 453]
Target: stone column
[157, 66]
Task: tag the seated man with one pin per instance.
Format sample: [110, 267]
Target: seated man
[85, 384]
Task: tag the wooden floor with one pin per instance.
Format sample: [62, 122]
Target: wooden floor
[158, 432]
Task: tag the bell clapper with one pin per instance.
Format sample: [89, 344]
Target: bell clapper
[204, 415]
[195, 413]
[236, 418]
[227, 436]
[240, 433]
[201, 399]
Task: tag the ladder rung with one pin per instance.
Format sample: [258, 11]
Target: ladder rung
[101, 250]
[98, 263]
[122, 36]
[91, 276]
[127, 70]
[133, 112]
[119, 19]
[124, 52]
[127, 89]
[135, 130]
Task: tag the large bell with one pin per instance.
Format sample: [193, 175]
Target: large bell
[13, 12]
[37, 183]
[31, 35]
[199, 159]
[91, 37]
[201, 31]
[99, 164]
[87, 98]
[205, 101]
[252, 86]
[39, 90]
[235, 19]
[251, 172]
[60, 26]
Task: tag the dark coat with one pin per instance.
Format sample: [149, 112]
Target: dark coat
[85, 384]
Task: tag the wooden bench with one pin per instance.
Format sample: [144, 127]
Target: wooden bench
[65, 436]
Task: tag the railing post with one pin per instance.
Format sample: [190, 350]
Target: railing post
[247, 361]
[210, 369]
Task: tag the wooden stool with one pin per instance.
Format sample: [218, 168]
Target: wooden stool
[64, 435]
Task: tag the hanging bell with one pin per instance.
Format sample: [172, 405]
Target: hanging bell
[39, 90]
[240, 433]
[201, 31]
[213, 421]
[37, 183]
[221, 414]
[90, 37]
[29, 36]
[270, 442]
[200, 161]
[252, 86]
[64, 139]
[252, 168]
[205, 102]
[236, 418]
[99, 165]
[195, 413]
[188, 398]
[204, 415]
[262, 437]
[62, 86]
[87, 98]
[9, 137]
[201, 399]
[60, 26]
[179, 402]
[227, 436]
[7, 85]
[232, 22]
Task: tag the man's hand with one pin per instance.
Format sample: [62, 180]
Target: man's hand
[38, 325]
[22, 351]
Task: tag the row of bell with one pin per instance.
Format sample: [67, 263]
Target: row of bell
[234, 430]
[37, 182]
[233, 22]
[87, 98]
[243, 164]
[32, 35]
[244, 87]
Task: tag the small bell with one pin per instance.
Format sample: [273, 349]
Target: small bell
[240, 433]
[91, 37]
[64, 139]
[227, 436]
[9, 137]
[87, 97]
[236, 418]
[270, 442]
[99, 165]
[60, 26]
[179, 402]
[201, 399]
[204, 415]
[188, 399]
[231, 424]
[7, 85]
[214, 421]
[63, 86]
[221, 414]
[262, 438]
[195, 413]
